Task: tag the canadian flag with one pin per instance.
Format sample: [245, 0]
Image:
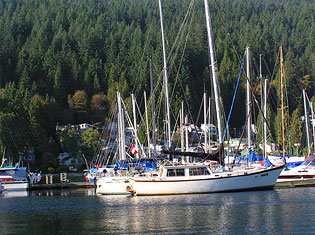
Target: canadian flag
[134, 150]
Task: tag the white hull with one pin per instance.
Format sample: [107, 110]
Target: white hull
[112, 185]
[262, 179]
[15, 185]
[298, 173]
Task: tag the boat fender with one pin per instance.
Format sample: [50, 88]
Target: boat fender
[161, 171]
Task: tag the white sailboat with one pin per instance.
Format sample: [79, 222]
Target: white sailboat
[115, 181]
[303, 174]
[200, 178]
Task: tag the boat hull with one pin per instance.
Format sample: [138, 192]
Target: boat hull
[264, 179]
[297, 174]
[112, 185]
[16, 185]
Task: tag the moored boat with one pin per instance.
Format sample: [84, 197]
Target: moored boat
[304, 172]
[14, 178]
[199, 178]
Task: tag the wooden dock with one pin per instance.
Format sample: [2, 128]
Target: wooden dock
[62, 185]
[298, 183]
[63, 180]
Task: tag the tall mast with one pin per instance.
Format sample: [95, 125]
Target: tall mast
[147, 123]
[121, 129]
[282, 101]
[265, 115]
[313, 125]
[182, 128]
[205, 120]
[186, 133]
[262, 94]
[306, 124]
[134, 120]
[248, 99]
[153, 107]
[214, 77]
[166, 80]
[209, 122]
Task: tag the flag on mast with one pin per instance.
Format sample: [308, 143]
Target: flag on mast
[134, 150]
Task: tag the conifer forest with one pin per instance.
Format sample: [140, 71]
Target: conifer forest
[62, 62]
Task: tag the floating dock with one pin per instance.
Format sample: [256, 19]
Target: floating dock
[63, 180]
[297, 183]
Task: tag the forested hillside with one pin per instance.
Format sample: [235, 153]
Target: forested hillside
[62, 61]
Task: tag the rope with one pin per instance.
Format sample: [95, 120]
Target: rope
[238, 81]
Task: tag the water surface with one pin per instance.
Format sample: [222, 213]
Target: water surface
[280, 211]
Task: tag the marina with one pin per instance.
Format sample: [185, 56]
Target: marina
[117, 120]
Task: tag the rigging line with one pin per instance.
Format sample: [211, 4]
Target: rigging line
[100, 156]
[177, 48]
[104, 127]
[181, 85]
[174, 129]
[263, 116]
[181, 28]
[238, 81]
[229, 35]
[131, 125]
[177, 76]
[144, 50]
[181, 61]
[272, 75]
[241, 138]
[97, 152]
[235, 51]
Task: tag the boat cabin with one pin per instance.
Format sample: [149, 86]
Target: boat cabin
[185, 171]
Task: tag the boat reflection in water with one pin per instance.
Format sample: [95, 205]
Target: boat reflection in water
[199, 213]
[14, 193]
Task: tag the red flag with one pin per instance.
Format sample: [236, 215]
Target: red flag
[134, 150]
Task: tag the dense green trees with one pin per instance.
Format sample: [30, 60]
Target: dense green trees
[62, 61]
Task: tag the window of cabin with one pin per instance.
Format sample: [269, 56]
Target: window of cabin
[198, 171]
[175, 172]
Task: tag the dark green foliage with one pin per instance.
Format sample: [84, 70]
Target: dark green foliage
[49, 50]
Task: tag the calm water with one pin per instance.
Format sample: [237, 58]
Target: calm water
[281, 211]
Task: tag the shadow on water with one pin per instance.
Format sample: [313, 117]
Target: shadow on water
[82, 211]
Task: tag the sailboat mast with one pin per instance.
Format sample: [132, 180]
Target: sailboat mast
[248, 99]
[313, 125]
[165, 79]
[147, 123]
[306, 124]
[121, 130]
[205, 121]
[214, 77]
[186, 133]
[262, 94]
[182, 128]
[153, 107]
[282, 101]
[265, 115]
[134, 120]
